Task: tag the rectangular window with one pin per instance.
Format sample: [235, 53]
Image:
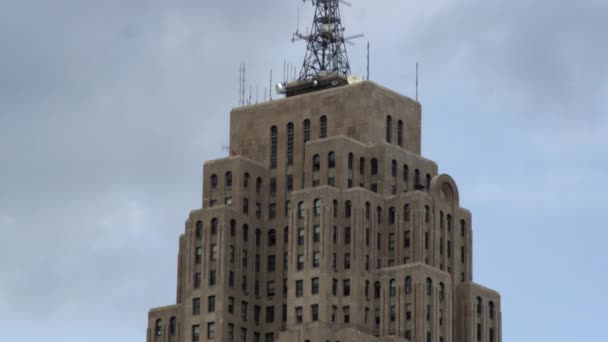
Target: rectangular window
[213, 255]
[270, 288]
[196, 306]
[272, 210]
[244, 311]
[346, 287]
[245, 205]
[198, 255]
[231, 305]
[316, 257]
[347, 235]
[316, 237]
[211, 304]
[300, 261]
[391, 242]
[230, 332]
[347, 261]
[197, 280]
[269, 314]
[300, 236]
[346, 312]
[299, 314]
[334, 287]
[256, 314]
[243, 334]
[406, 239]
[271, 263]
[196, 333]
[299, 288]
[314, 310]
[210, 330]
[212, 278]
[314, 285]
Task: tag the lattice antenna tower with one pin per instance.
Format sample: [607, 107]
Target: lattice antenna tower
[326, 44]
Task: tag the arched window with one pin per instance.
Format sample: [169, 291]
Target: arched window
[377, 290]
[335, 208]
[429, 286]
[306, 130]
[368, 209]
[323, 127]
[391, 215]
[272, 238]
[172, 326]
[389, 128]
[351, 161]
[317, 203]
[462, 228]
[367, 289]
[427, 214]
[406, 213]
[331, 165]
[258, 237]
[416, 179]
[199, 230]
[491, 309]
[232, 227]
[374, 167]
[479, 306]
[441, 292]
[246, 180]
[273, 147]
[441, 225]
[301, 210]
[428, 182]
[347, 209]
[286, 235]
[394, 177]
[245, 232]
[400, 133]
[393, 288]
[290, 143]
[408, 285]
[379, 215]
[158, 327]
[214, 226]
[258, 185]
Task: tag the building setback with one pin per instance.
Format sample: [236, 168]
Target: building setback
[326, 224]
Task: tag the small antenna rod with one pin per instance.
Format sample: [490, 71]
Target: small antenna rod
[239, 103]
[416, 81]
[250, 87]
[243, 84]
[368, 60]
[270, 86]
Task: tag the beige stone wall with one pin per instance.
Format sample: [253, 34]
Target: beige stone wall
[393, 231]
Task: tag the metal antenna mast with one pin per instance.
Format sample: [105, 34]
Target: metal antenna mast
[325, 50]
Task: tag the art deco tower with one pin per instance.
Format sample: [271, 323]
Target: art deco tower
[326, 224]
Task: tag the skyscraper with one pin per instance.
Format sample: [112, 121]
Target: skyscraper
[326, 224]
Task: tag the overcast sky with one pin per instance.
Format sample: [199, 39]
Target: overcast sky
[108, 110]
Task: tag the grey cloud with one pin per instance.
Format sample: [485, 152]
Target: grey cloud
[108, 110]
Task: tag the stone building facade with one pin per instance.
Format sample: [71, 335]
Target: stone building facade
[326, 224]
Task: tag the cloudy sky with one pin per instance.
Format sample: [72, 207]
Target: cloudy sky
[108, 110]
